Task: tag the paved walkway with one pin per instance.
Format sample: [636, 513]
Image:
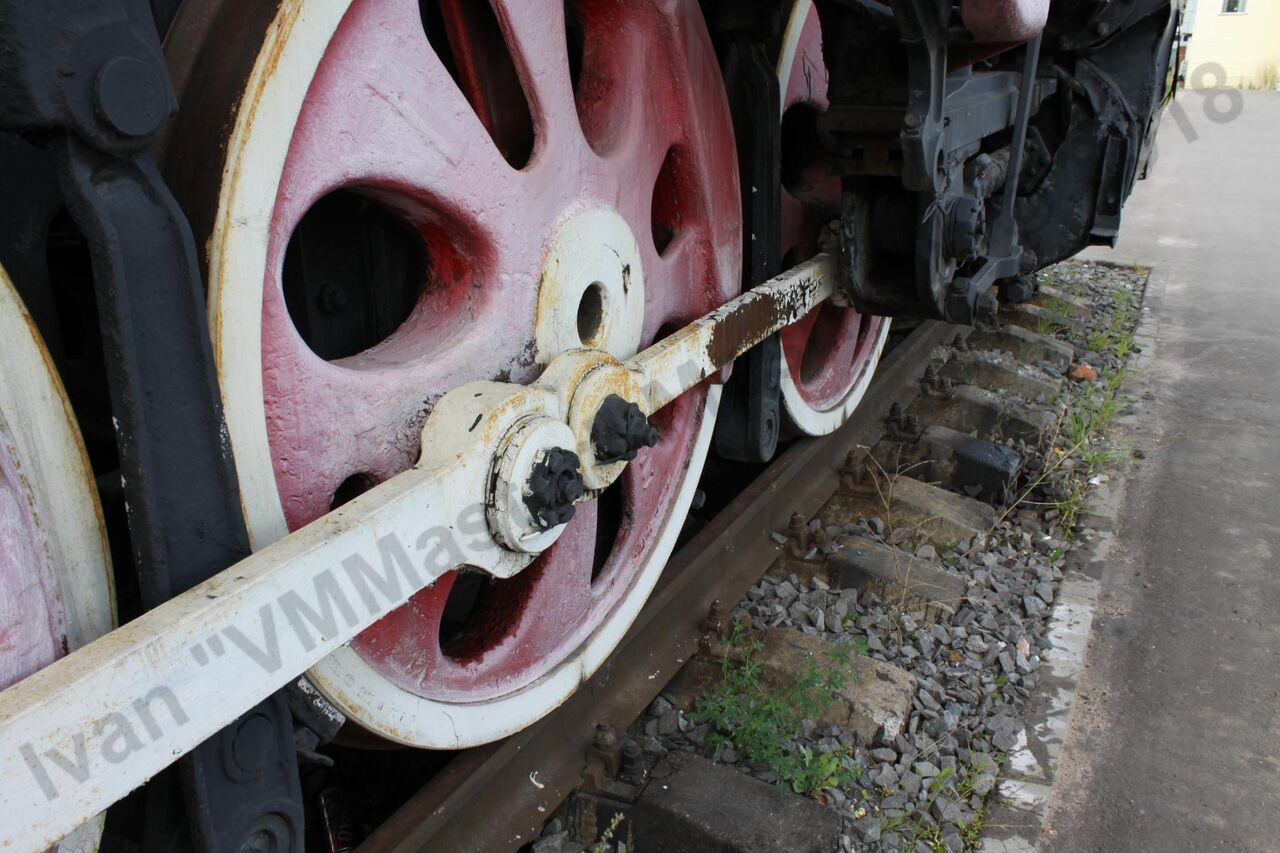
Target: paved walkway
[1175, 744]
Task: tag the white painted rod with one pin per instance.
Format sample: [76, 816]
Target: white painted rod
[82, 733]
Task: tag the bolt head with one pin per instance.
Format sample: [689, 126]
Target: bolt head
[555, 484]
[619, 430]
[606, 736]
[252, 744]
[536, 481]
[130, 96]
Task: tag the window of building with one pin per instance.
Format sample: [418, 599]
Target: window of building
[1233, 7]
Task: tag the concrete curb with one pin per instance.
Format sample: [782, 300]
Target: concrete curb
[1027, 791]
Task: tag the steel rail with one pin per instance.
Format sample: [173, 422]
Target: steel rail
[497, 796]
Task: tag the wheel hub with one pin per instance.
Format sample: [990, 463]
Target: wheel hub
[536, 481]
[591, 293]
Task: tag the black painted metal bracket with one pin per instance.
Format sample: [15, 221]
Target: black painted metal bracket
[970, 296]
[86, 80]
[751, 408]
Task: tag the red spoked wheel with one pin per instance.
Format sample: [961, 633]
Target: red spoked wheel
[418, 195]
[830, 355]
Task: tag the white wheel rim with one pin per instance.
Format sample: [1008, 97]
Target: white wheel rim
[39, 430]
[49, 447]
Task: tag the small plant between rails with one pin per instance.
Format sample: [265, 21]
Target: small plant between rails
[765, 725]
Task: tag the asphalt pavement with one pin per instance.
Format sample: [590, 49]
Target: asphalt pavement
[1175, 742]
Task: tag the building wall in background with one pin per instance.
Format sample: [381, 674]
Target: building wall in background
[1245, 44]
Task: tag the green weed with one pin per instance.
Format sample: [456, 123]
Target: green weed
[763, 724]
[1098, 458]
[1099, 341]
[605, 842]
[1052, 328]
[929, 832]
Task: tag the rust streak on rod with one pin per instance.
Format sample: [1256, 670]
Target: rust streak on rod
[682, 360]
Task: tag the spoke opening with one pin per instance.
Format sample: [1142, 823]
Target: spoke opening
[353, 272]
[801, 148]
[468, 39]
[482, 611]
[673, 199]
[372, 278]
[352, 488]
[611, 516]
[599, 61]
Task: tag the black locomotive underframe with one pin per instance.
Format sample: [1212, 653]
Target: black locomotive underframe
[970, 165]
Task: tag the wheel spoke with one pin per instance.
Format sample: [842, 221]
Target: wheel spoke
[682, 268]
[634, 167]
[559, 602]
[535, 35]
[384, 112]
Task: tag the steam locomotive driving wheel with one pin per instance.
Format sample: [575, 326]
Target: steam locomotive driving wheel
[414, 196]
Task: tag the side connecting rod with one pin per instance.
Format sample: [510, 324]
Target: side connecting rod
[682, 360]
[85, 731]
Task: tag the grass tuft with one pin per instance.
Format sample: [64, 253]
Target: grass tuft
[763, 725]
